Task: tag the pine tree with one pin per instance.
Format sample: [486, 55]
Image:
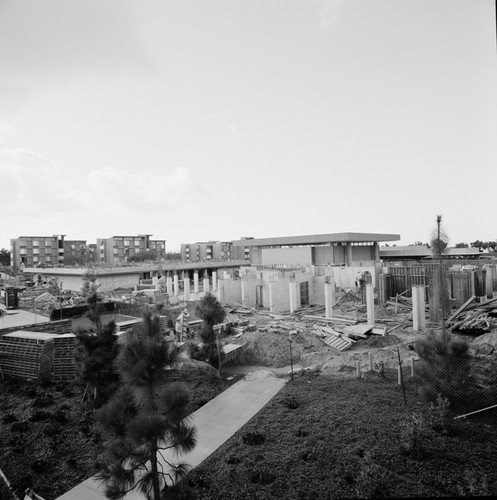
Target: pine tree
[146, 415]
[212, 313]
[94, 355]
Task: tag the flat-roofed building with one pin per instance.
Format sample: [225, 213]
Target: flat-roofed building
[34, 251]
[118, 249]
[318, 249]
[206, 250]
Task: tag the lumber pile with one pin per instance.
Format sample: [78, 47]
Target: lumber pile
[478, 318]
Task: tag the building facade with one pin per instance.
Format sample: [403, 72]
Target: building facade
[119, 249]
[204, 251]
[36, 251]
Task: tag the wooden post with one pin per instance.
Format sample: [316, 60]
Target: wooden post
[399, 375]
[412, 367]
[358, 369]
[370, 361]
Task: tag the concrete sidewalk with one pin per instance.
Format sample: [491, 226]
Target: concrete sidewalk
[216, 422]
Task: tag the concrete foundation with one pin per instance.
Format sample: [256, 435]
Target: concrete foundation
[214, 281]
[169, 286]
[186, 288]
[176, 285]
[206, 285]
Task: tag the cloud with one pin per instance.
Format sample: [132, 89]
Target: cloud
[329, 12]
[30, 183]
[33, 186]
[118, 189]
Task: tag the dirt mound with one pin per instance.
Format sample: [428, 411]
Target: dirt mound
[487, 338]
[378, 341]
[273, 348]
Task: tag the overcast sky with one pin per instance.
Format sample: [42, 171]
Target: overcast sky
[198, 120]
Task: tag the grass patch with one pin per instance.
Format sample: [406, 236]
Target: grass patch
[345, 441]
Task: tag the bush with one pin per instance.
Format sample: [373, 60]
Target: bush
[439, 417]
[40, 415]
[9, 418]
[444, 369]
[22, 426]
[372, 480]
[253, 438]
[290, 402]
[415, 437]
[475, 483]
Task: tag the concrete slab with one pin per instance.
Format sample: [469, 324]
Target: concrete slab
[216, 422]
[19, 317]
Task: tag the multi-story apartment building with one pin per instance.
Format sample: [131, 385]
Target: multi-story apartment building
[35, 251]
[75, 252]
[117, 249]
[210, 250]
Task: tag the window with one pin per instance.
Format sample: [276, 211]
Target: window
[36, 243]
[48, 243]
[36, 251]
[126, 243]
[48, 258]
[137, 243]
[23, 251]
[73, 246]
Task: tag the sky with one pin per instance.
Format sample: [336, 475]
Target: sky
[194, 121]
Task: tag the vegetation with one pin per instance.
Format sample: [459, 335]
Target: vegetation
[4, 257]
[48, 422]
[212, 313]
[145, 417]
[93, 356]
[444, 370]
[345, 441]
[90, 286]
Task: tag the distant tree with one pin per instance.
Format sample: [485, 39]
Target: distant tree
[144, 417]
[90, 286]
[477, 244]
[173, 256]
[492, 245]
[143, 256]
[54, 287]
[212, 313]
[461, 245]
[4, 257]
[418, 243]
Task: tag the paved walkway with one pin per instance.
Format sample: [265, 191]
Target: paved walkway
[216, 422]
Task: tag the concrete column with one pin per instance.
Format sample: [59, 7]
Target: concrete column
[169, 285]
[329, 296]
[219, 293]
[292, 289]
[488, 282]
[418, 308]
[206, 285]
[214, 281]
[349, 253]
[472, 285]
[271, 305]
[244, 292]
[376, 251]
[370, 303]
[195, 281]
[186, 288]
[176, 285]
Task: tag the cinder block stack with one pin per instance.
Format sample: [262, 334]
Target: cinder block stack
[63, 357]
[26, 355]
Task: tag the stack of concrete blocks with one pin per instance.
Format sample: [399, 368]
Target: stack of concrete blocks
[63, 357]
[27, 355]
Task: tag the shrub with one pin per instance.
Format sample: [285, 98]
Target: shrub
[43, 401]
[9, 418]
[415, 435]
[40, 415]
[444, 369]
[372, 480]
[475, 483]
[22, 426]
[290, 402]
[253, 438]
[438, 416]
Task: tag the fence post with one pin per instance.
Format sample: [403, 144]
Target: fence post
[358, 369]
[370, 361]
[412, 367]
